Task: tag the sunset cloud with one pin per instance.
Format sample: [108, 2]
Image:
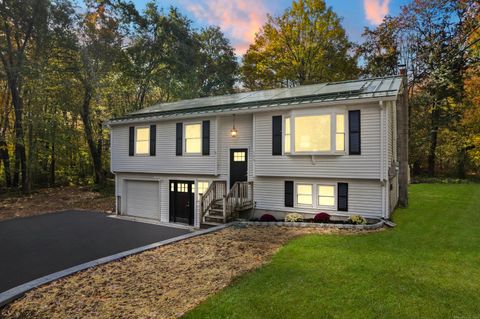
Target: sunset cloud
[375, 10]
[238, 19]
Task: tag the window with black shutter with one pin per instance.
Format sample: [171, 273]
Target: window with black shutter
[277, 135]
[288, 193]
[342, 194]
[354, 145]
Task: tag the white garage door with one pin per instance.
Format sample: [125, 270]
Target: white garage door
[142, 199]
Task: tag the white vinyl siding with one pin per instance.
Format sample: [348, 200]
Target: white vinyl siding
[166, 161]
[364, 197]
[244, 139]
[364, 166]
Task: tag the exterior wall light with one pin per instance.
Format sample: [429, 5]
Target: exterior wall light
[233, 131]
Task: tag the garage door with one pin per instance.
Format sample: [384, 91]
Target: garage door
[142, 199]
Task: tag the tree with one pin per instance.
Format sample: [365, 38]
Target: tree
[160, 56]
[96, 48]
[218, 67]
[306, 44]
[21, 22]
[380, 51]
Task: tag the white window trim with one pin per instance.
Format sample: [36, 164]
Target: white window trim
[284, 133]
[135, 140]
[296, 195]
[184, 142]
[334, 196]
[315, 204]
[333, 130]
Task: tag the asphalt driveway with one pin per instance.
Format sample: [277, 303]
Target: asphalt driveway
[36, 246]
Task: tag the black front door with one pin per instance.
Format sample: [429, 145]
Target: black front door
[238, 165]
[181, 202]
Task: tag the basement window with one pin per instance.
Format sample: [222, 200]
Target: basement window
[304, 194]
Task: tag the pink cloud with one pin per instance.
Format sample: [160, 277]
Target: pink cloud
[239, 19]
[375, 10]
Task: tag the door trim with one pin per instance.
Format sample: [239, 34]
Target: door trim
[229, 161]
[172, 203]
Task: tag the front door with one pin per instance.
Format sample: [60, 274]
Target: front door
[181, 202]
[238, 165]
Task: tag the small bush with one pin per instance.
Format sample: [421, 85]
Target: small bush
[294, 217]
[356, 220]
[321, 218]
[267, 218]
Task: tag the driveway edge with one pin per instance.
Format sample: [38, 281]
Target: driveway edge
[16, 292]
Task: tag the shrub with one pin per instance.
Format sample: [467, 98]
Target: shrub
[294, 217]
[356, 220]
[321, 218]
[267, 218]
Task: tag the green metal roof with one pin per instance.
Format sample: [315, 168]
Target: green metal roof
[381, 88]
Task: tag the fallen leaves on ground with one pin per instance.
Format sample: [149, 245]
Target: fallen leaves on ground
[54, 199]
[165, 282]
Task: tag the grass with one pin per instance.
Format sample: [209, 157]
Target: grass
[426, 267]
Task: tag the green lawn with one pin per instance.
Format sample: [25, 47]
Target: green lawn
[427, 267]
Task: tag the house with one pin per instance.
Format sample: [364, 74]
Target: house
[328, 147]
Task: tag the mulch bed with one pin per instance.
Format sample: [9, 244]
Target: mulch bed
[54, 199]
[165, 282]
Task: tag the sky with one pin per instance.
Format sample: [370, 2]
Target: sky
[241, 19]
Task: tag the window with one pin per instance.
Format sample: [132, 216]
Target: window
[305, 194]
[326, 195]
[287, 135]
[142, 141]
[202, 188]
[239, 156]
[193, 138]
[312, 133]
[182, 187]
[340, 133]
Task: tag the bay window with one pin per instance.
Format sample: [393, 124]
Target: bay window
[340, 132]
[287, 135]
[193, 138]
[315, 133]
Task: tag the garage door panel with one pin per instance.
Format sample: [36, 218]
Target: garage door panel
[143, 199]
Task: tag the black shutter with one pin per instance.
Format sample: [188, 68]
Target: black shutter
[342, 196]
[206, 138]
[153, 140]
[277, 135]
[131, 141]
[354, 146]
[179, 139]
[288, 193]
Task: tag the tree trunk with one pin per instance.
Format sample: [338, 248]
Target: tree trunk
[5, 157]
[20, 167]
[95, 150]
[52, 165]
[462, 160]
[433, 143]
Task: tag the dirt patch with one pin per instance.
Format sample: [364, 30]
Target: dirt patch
[54, 199]
[162, 283]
